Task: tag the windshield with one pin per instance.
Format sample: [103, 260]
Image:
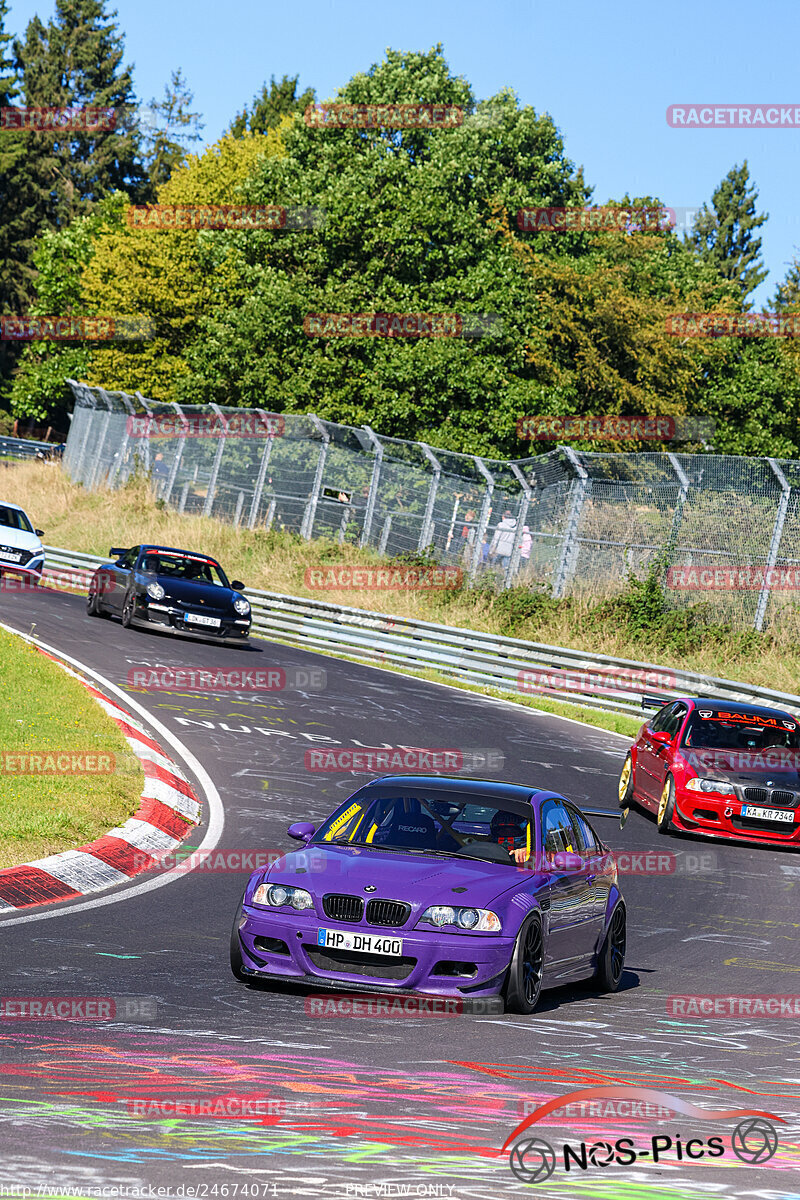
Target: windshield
[419, 824]
[740, 731]
[184, 566]
[14, 518]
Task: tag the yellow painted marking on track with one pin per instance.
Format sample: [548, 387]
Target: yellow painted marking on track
[760, 964]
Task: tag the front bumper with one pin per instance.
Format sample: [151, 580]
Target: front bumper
[171, 619]
[720, 816]
[284, 945]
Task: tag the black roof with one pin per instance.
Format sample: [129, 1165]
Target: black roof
[487, 789]
[175, 550]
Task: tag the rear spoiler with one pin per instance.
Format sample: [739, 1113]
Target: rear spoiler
[601, 812]
[655, 701]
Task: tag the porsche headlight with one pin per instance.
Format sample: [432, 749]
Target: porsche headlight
[711, 785]
[155, 591]
[242, 607]
[467, 919]
[275, 895]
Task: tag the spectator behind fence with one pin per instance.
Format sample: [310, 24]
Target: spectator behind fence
[503, 540]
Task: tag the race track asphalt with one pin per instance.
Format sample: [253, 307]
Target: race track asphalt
[380, 1106]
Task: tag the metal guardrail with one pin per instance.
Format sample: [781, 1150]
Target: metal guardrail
[23, 447]
[594, 680]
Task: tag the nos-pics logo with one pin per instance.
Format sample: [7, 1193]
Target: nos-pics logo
[533, 1159]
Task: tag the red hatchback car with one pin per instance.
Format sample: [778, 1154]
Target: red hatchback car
[719, 769]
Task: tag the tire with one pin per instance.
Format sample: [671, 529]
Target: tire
[625, 786]
[666, 806]
[127, 611]
[611, 959]
[524, 981]
[93, 605]
[236, 949]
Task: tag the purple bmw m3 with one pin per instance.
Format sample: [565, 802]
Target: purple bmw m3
[453, 887]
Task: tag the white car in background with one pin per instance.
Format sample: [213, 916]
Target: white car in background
[21, 551]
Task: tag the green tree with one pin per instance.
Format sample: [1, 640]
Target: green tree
[76, 61]
[271, 105]
[724, 233]
[173, 128]
[787, 294]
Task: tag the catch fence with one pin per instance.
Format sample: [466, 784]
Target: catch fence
[564, 522]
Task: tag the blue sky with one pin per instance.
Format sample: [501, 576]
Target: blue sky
[605, 72]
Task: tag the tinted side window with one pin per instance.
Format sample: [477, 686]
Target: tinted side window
[557, 831]
[130, 558]
[675, 719]
[659, 721]
[584, 833]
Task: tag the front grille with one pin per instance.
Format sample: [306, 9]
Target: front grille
[758, 795]
[776, 799]
[377, 966]
[783, 799]
[343, 908]
[24, 555]
[387, 912]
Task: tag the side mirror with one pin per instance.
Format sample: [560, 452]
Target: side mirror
[301, 831]
[567, 861]
[117, 551]
[237, 585]
[39, 532]
[661, 739]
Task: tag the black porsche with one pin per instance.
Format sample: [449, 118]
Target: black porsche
[176, 591]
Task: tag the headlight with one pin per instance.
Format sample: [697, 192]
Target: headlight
[242, 607]
[155, 591]
[468, 919]
[711, 785]
[275, 895]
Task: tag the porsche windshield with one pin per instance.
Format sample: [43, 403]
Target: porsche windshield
[443, 824]
[183, 566]
[740, 731]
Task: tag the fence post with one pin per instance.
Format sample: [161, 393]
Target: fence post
[262, 472]
[176, 462]
[427, 520]
[148, 429]
[387, 528]
[307, 527]
[569, 547]
[775, 543]
[119, 457]
[372, 498]
[212, 483]
[483, 519]
[95, 469]
[513, 562]
[89, 411]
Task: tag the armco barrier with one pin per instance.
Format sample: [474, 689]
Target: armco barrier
[467, 654]
[23, 447]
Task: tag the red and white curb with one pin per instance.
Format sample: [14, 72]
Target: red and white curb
[168, 811]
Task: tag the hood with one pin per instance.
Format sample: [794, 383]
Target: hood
[18, 539]
[419, 879]
[208, 595]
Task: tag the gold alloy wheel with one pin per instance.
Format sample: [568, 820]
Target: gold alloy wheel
[663, 802]
[624, 778]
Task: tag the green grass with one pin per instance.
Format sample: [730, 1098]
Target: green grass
[43, 709]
